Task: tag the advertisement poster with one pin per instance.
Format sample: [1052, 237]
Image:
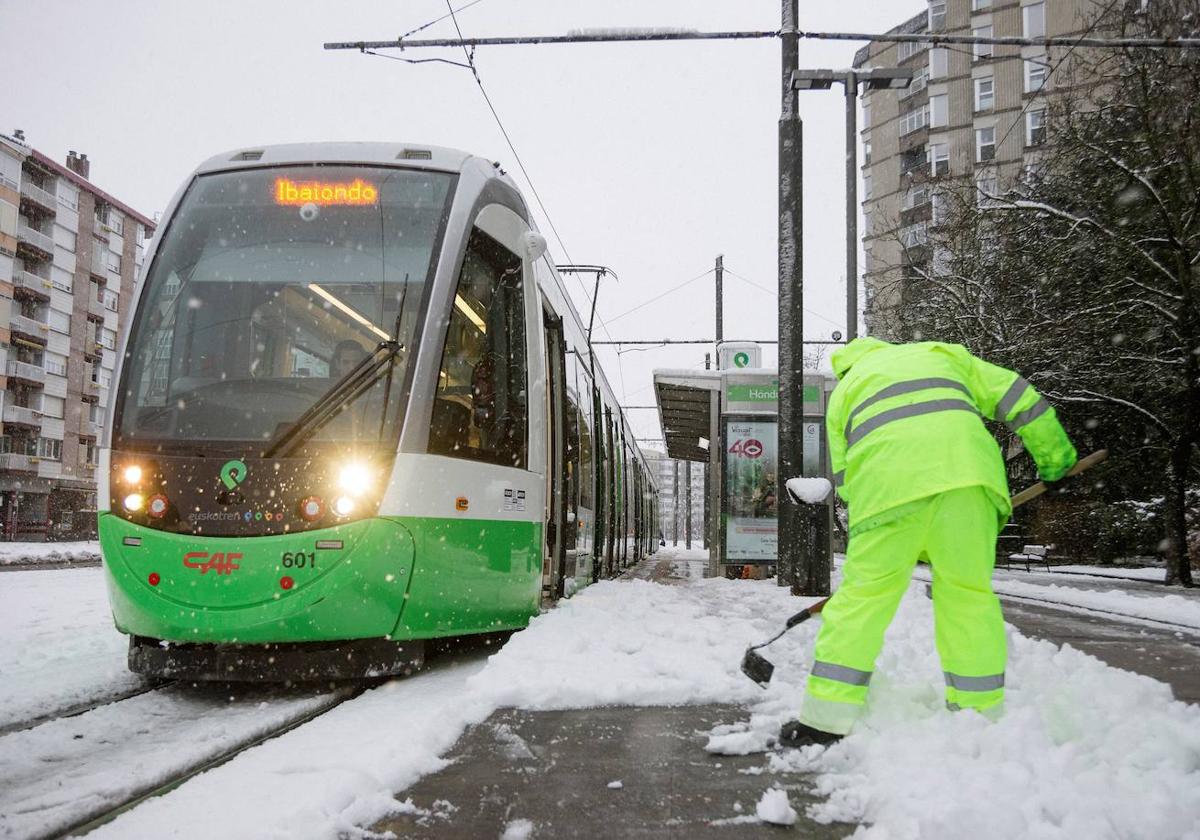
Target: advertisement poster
[751, 487]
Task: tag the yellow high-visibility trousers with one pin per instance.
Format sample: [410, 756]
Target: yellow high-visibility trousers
[956, 531]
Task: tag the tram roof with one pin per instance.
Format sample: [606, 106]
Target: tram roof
[390, 154]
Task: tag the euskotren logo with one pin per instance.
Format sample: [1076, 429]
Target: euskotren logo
[233, 473]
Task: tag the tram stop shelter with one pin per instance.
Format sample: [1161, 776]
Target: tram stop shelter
[729, 419]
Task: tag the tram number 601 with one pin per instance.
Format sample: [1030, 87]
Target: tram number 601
[299, 559]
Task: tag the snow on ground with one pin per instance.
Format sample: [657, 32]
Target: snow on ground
[19, 553]
[1154, 574]
[1084, 749]
[60, 647]
[1177, 609]
[58, 774]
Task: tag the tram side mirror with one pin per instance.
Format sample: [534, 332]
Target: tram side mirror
[535, 245]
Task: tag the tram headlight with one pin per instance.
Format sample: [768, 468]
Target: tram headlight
[134, 502]
[344, 506]
[132, 474]
[354, 480]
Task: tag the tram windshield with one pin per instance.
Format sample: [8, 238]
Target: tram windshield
[268, 287]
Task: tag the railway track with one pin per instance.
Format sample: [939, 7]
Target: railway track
[76, 753]
[82, 708]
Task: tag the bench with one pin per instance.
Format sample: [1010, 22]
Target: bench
[1031, 554]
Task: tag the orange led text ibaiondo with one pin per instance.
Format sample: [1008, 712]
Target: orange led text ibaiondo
[321, 192]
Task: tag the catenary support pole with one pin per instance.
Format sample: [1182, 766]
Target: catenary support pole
[687, 523]
[675, 506]
[720, 280]
[851, 87]
[792, 566]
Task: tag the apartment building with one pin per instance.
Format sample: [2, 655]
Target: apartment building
[69, 253]
[972, 112]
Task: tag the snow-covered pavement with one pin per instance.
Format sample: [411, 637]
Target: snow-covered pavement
[1084, 750]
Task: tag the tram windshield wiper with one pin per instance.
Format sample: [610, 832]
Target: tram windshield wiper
[341, 394]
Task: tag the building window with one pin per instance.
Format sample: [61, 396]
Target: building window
[907, 49]
[49, 449]
[1035, 128]
[59, 321]
[917, 195]
[1033, 20]
[939, 156]
[67, 194]
[1036, 73]
[101, 213]
[985, 144]
[919, 83]
[985, 96]
[939, 111]
[866, 114]
[915, 119]
[913, 159]
[937, 15]
[914, 235]
[52, 406]
[108, 339]
[986, 184]
[866, 187]
[982, 51]
[980, 5]
[939, 208]
[939, 58]
[110, 300]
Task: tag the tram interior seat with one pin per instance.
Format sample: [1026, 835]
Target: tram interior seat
[449, 429]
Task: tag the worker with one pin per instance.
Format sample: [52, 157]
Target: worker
[923, 480]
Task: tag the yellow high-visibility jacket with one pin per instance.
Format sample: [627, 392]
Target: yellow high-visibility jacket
[904, 423]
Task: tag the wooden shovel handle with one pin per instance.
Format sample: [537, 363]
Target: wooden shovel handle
[1041, 487]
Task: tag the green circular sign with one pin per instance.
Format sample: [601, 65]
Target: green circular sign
[741, 359]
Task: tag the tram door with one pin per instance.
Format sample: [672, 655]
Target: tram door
[554, 553]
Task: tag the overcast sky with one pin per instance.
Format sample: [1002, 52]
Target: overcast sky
[651, 158]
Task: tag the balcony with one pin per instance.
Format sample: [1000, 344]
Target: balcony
[30, 374]
[35, 240]
[32, 330]
[88, 429]
[35, 285]
[96, 308]
[18, 462]
[19, 415]
[43, 200]
[91, 390]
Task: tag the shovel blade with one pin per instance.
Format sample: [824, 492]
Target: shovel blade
[757, 668]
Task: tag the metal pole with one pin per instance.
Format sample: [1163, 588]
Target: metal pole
[704, 508]
[687, 528]
[675, 506]
[792, 562]
[720, 274]
[851, 85]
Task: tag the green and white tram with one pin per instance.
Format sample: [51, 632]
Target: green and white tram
[355, 411]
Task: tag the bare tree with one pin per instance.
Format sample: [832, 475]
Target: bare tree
[1085, 273]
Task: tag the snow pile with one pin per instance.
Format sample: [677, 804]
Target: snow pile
[639, 644]
[774, 807]
[808, 490]
[60, 647]
[21, 553]
[1083, 750]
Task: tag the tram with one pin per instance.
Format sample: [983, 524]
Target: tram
[355, 411]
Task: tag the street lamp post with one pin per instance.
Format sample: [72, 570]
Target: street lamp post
[881, 79]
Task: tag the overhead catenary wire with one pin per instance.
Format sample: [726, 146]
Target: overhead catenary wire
[659, 297]
[521, 164]
[774, 293]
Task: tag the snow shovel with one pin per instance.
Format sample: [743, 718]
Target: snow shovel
[809, 491]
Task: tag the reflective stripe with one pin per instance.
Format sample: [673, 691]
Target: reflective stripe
[904, 388]
[991, 683]
[1039, 408]
[840, 673]
[839, 478]
[871, 424]
[1009, 400]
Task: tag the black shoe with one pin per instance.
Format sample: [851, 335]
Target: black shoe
[796, 734]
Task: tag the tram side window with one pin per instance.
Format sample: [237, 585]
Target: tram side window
[585, 464]
[480, 409]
